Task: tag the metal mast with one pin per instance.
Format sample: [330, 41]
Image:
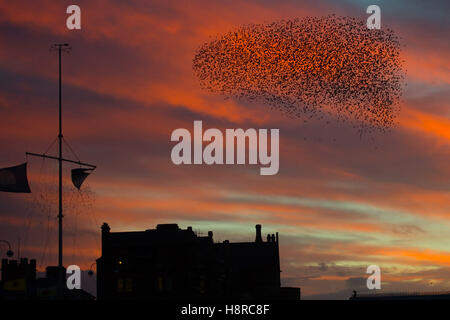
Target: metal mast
[60, 47]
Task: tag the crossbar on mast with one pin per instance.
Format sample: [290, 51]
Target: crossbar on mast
[43, 155]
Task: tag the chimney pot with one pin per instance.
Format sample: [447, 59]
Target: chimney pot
[105, 228]
[258, 233]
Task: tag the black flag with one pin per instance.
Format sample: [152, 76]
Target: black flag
[14, 179]
[79, 175]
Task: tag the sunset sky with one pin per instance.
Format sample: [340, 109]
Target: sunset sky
[340, 202]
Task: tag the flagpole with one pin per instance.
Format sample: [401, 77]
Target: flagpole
[61, 277]
[60, 215]
[61, 47]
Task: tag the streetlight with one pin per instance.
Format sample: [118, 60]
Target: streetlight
[91, 272]
[9, 253]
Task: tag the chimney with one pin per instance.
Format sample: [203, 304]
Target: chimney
[210, 234]
[258, 233]
[105, 233]
[105, 228]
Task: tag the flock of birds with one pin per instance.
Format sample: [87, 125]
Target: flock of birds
[308, 68]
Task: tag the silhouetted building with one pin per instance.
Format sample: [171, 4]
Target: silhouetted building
[18, 279]
[19, 282]
[169, 263]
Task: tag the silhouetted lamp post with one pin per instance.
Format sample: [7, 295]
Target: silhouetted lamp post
[91, 272]
[9, 253]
